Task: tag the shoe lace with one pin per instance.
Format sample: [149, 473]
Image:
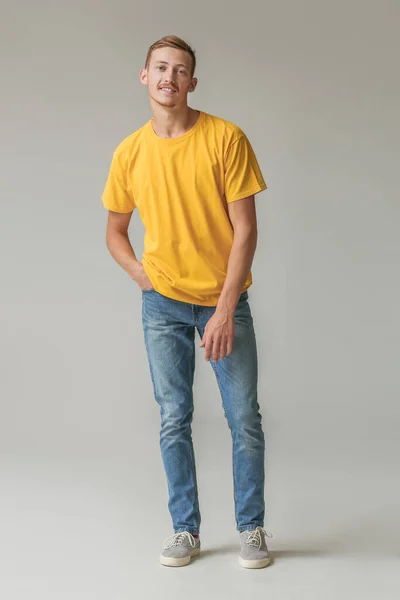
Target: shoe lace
[178, 539]
[255, 537]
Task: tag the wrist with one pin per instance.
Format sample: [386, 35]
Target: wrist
[133, 269]
[227, 305]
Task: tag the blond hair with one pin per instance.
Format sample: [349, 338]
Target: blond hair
[172, 41]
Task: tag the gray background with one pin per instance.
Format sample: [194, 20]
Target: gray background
[83, 503]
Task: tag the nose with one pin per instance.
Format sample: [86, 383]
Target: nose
[168, 77]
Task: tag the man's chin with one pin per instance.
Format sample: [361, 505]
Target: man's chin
[166, 103]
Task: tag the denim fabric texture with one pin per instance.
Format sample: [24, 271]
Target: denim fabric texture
[169, 331]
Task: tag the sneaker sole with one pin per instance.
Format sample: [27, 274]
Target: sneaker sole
[170, 561]
[254, 564]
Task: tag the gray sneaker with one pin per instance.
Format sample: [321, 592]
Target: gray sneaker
[254, 551]
[179, 548]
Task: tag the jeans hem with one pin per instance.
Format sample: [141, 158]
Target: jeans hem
[191, 530]
[249, 527]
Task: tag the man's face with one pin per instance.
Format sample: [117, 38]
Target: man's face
[168, 77]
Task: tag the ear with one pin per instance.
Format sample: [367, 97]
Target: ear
[193, 84]
[143, 76]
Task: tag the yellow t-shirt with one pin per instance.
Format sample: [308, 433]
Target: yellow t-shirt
[181, 187]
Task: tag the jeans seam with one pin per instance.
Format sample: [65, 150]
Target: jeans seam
[149, 362]
[233, 462]
[191, 374]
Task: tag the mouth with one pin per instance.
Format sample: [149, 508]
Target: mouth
[167, 90]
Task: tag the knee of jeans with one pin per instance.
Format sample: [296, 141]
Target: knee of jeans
[249, 438]
[245, 423]
[174, 421]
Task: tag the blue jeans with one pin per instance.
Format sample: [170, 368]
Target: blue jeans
[169, 331]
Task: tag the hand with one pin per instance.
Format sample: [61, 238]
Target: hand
[141, 278]
[218, 335]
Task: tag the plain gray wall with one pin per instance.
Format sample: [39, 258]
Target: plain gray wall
[315, 87]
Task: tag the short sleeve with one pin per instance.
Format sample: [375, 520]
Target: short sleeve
[116, 196]
[243, 176]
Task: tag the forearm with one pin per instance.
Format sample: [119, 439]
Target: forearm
[121, 250]
[239, 265]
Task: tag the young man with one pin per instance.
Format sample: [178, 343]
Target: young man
[193, 177]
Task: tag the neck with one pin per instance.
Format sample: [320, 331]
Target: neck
[173, 122]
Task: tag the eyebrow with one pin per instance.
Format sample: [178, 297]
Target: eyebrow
[165, 63]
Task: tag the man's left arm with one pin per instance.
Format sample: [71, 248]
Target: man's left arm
[220, 329]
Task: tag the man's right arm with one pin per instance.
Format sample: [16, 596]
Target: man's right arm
[117, 241]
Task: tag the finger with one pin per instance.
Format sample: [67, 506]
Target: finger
[203, 341]
[223, 347]
[216, 347]
[208, 348]
[229, 346]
